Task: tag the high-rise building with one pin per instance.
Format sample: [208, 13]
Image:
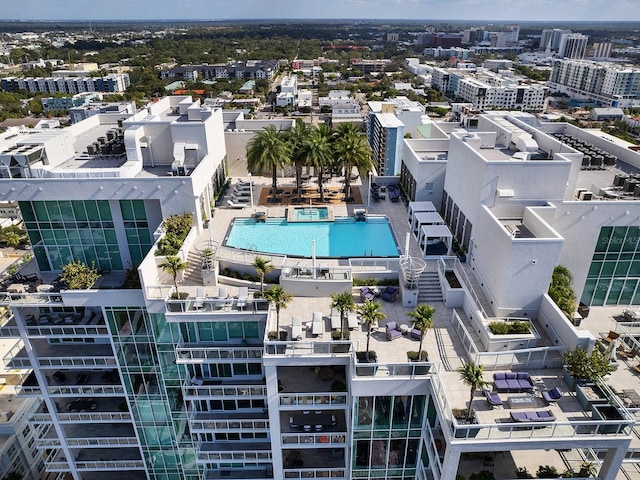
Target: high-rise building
[572, 45]
[550, 39]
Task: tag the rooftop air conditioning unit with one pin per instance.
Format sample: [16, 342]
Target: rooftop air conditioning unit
[586, 195]
[579, 192]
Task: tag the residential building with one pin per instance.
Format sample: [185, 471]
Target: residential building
[187, 383]
[65, 103]
[550, 39]
[601, 50]
[82, 112]
[248, 70]
[112, 83]
[385, 133]
[370, 65]
[608, 84]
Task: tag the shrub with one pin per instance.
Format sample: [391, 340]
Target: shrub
[176, 229]
[78, 275]
[413, 356]
[505, 328]
[586, 366]
[522, 472]
[547, 471]
[362, 356]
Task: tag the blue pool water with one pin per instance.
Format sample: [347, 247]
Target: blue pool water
[315, 213]
[343, 238]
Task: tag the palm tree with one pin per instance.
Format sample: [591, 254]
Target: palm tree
[268, 150]
[280, 299]
[343, 301]
[352, 150]
[262, 266]
[371, 314]
[471, 374]
[423, 320]
[297, 137]
[173, 266]
[317, 149]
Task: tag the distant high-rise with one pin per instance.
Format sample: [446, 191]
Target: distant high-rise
[550, 39]
[572, 45]
[601, 50]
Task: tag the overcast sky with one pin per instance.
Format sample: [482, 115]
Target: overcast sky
[374, 9]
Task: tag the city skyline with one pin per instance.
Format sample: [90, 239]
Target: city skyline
[502, 10]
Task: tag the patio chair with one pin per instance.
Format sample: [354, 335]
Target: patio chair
[552, 396]
[367, 294]
[243, 293]
[493, 398]
[390, 294]
[336, 321]
[631, 354]
[415, 333]
[200, 296]
[611, 336]
[296, 328]
[393, 331]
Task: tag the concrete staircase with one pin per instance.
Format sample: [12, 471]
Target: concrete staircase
[193, 273]
[429, 287]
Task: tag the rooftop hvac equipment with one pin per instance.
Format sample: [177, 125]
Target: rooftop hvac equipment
[619, 179]
[585, 195]
[91, 149]
[579, 192]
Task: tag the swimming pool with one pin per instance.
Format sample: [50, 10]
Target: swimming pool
[343, 237]
[310, 214]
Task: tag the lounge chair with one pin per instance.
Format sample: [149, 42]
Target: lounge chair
[367, 294]
[233, 204]
[393, 331]
[316, 324]
[336, 321]
[611, 336]
[352, 321]
[390, 294]
[493, 398]
[296, 328]
[243, 293]
[553, 395]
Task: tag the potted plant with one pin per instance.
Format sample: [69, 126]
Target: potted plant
[473, 376]
[580, 366]
[462, 253]
[366, 357]
[343, 302]
[262, 266]
[371, 314]
[173, 266]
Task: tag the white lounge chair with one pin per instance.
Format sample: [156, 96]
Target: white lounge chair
[352, 321]
[243, 293]
[296, 328]
[316, 324]
[336, 321]
[232, 204]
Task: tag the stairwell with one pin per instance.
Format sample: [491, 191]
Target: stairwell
[429, 287]
[193, 274]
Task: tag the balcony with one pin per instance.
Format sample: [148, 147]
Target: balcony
[186, 354]
[198, 389]
[245, 473]
[240, 451]
[203, 422]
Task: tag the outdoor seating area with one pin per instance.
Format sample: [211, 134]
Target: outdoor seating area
[552, 396]
[367, 294]
[512, 382]
[393, 331]
[390, 294]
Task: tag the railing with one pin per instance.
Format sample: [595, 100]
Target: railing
[82, 417]
[453, 263]
[293, 348]
[57, 466]
[11, 356]
[99, 390]
[158, 292]
[8, 327]
[336, 473]
[22, 391]
[76, 361]
[80, 330]
[324, 439]
[198, 354]
[372, 265]
[333, 398]
[197, 425]
[206, 391]
[409, 369]
[111, 465]
[226, 455]
[30, 298]
[318, 272]
[87, 442]
[245, 257]
[216, 305]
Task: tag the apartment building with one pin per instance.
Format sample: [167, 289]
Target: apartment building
[189, 383]
[112, 83]
[248, 70]
[572, 45]
[609, 85]
[487, 90]
[385, 133]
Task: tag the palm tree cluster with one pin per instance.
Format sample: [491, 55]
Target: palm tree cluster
[304, 145]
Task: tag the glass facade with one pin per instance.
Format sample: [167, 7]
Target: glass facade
[386, 436]
[63, 231]
[145, 347]
[614, 272]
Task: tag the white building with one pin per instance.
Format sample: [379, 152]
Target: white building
[572, 45]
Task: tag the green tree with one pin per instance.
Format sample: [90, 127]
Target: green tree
[343, 302]
[77, 275]
[297, 138]
[173, 266]
[472, 375]
[262, 266]
[280, 298]
[371, 313]
[268, 150]
[423, 320]
[318, 151]
[561, 291]
[351, 148]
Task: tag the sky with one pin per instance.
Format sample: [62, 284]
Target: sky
[504, 10]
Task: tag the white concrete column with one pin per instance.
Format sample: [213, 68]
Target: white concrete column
[612, 462]
[450, 463]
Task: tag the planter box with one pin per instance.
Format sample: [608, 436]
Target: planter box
[466, 432]
[589, 394]
[611, 413]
